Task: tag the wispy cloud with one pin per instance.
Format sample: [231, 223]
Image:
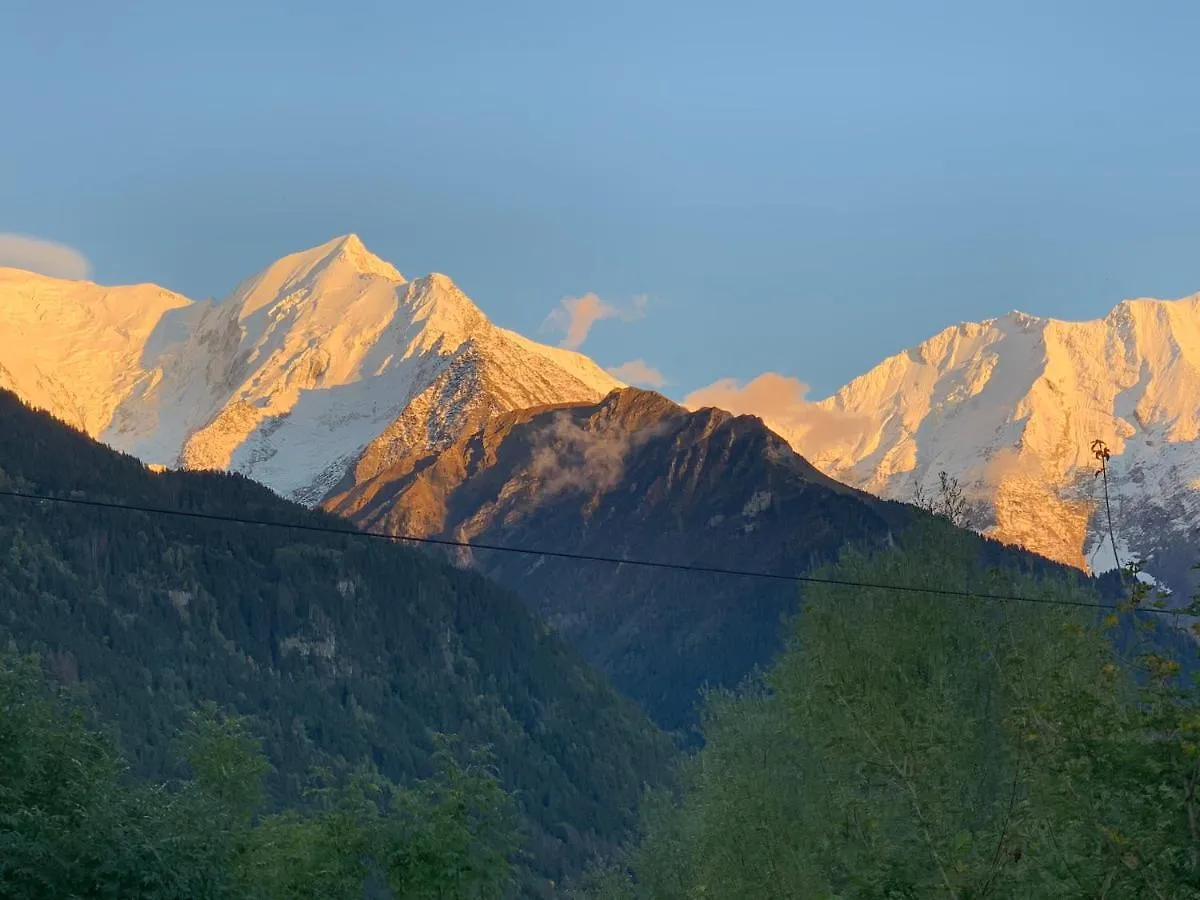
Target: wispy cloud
[591, 459]
[639, 373]
[21, 251]
[779, 401]
[575, 316]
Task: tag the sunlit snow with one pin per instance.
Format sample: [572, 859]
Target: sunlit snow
[287, 380]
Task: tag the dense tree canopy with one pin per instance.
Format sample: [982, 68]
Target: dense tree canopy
[909, 745]
[74, 824]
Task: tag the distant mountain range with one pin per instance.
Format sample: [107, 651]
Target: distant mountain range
[335, 381]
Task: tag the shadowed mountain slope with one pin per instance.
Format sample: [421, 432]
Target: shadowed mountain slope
[344, 649]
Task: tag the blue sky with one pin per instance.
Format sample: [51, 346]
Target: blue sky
[796, 187]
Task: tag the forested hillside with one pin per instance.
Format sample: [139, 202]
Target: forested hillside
[342, 649]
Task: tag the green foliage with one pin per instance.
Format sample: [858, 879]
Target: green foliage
[909, 745]
[453, 834]
[70, 826]
[1165, 762]
[226, 760]
[73, 824]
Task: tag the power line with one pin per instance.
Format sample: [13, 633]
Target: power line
[558, 554]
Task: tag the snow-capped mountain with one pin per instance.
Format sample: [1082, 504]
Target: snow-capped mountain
[321, 356]
[1011, 407]
[76, 348]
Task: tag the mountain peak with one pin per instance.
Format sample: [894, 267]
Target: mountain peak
[349, 247]
[1022, 318]
[325, 270]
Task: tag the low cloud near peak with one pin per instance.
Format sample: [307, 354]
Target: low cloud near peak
[781, 402]
[639, 373]
[20, 251]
